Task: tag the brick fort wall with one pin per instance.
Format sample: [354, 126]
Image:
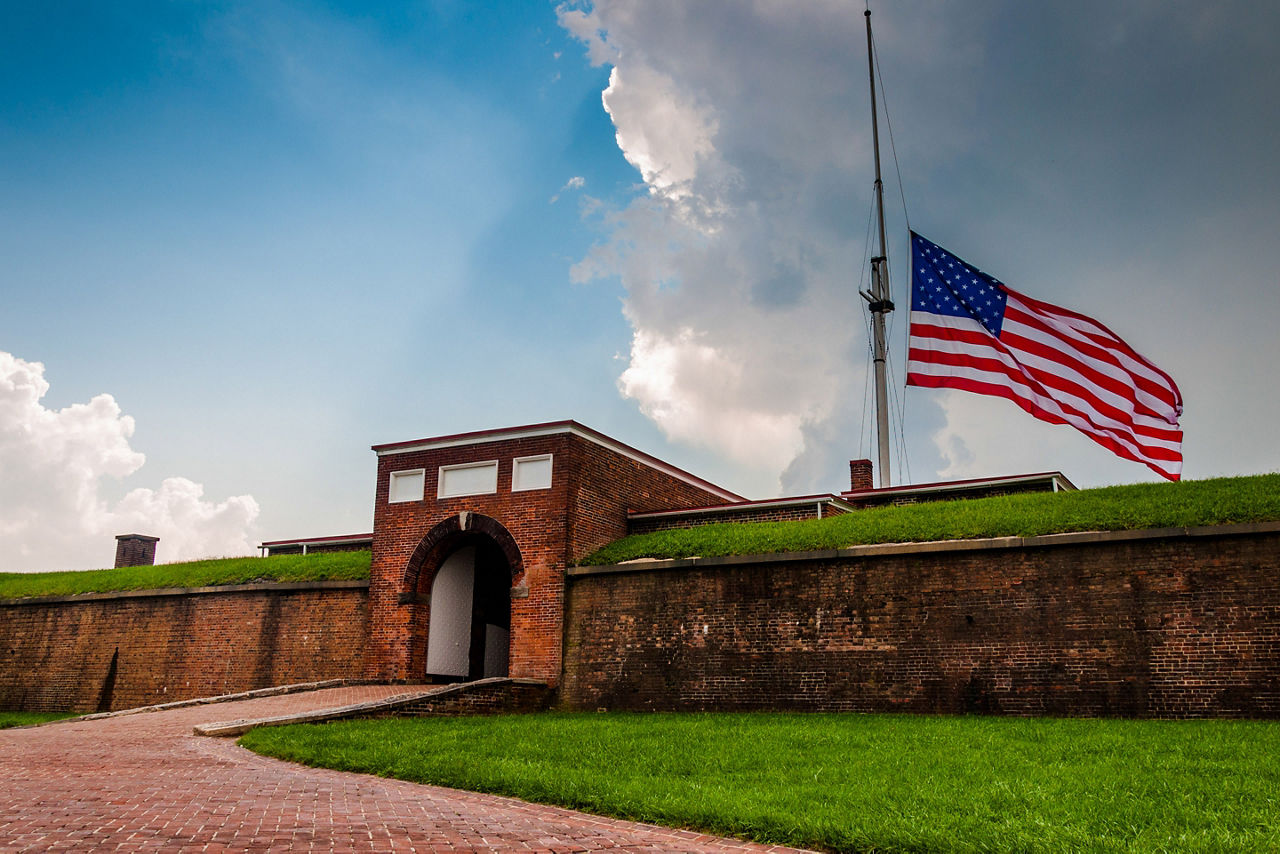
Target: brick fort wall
[1143, 624]
[102, 652]
[1175, 623]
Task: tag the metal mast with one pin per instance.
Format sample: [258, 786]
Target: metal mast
[878, 300]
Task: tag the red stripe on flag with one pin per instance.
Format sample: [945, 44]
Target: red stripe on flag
[963, 384]
[1097, 417]
[1073, 352]
[1104, 336]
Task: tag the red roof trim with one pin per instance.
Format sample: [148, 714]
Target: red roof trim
[495, 434]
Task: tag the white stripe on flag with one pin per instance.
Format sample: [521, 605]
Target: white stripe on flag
[1132, 428]
[1066, 332]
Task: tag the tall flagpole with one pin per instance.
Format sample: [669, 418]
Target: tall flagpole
[878, 300]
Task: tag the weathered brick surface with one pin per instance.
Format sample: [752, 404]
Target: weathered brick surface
[135, 550]
[592, 489]
[608, 485]
[1172, 626]
[861, 475]
[106, 652]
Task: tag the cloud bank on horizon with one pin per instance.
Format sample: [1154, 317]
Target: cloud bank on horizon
[748, 124]
[53, 464]
[737, 262]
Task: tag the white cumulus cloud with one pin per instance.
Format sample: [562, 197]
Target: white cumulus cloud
[739, 263]
[662, 129]
[52, 466]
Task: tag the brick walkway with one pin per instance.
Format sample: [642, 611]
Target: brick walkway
[144, 782]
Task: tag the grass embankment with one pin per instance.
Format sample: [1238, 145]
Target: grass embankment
[12, 719]
[329, 566]
[1114, 508]
[849, 782]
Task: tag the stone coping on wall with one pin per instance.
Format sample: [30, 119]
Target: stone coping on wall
[263, 587]
[894, 549]
[274, 691]
[373, 708]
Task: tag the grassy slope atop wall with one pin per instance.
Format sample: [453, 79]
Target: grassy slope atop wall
[1113, 508]
[329, 566]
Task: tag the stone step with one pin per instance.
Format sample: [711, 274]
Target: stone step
[499, 694]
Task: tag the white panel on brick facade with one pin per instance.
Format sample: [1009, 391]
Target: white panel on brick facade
[531, 473]
[449, 618]
[407, 485]
[468, 479]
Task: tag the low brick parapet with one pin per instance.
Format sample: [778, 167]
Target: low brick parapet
[160, 592]
[931, 547]
[496, 695]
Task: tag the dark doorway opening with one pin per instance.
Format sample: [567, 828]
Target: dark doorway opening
[469, 617]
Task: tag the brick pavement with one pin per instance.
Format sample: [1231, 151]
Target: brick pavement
[144, 782]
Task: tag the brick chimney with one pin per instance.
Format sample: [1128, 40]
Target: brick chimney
[135, 550]
[860, 475]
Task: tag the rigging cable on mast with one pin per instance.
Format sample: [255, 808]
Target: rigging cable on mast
[904, 460]
[866, 375]
[893, 149]
[865, 448]
[897, 403]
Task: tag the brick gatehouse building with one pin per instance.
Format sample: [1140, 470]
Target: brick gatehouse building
[474, 533]
[483, 526]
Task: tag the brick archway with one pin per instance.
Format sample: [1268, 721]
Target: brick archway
[447, 536]
[444, 538]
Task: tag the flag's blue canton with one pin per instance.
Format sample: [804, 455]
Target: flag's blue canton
[943, 284]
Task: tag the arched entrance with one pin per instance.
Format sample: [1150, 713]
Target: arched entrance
[469, 613]
[457, 585]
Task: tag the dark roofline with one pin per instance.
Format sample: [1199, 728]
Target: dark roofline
[552, 428]
[827, 498]
[955, 485]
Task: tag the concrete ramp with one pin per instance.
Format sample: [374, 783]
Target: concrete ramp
[497, 695]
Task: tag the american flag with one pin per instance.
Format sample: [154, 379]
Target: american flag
[969, 331]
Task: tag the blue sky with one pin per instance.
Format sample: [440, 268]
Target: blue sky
[276, 233]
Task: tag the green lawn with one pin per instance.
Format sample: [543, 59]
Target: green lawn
[1113, 508]
[10, 719]
[327, 566]
[849, 782]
